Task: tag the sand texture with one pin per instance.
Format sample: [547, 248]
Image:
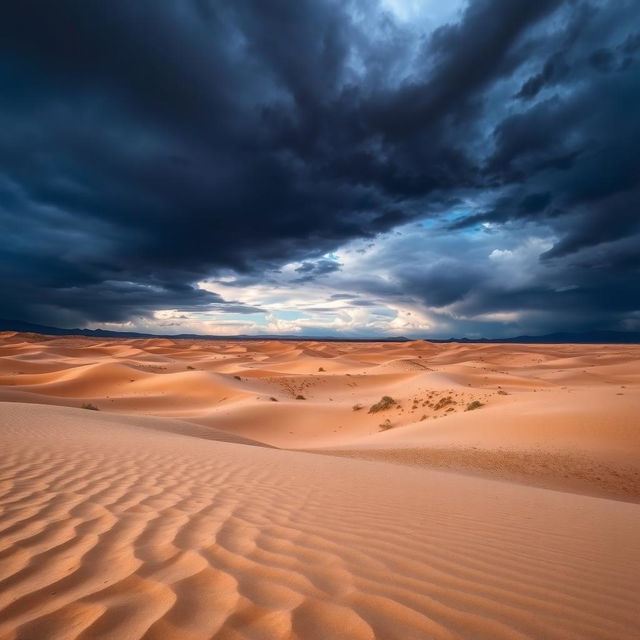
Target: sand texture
[246, 490]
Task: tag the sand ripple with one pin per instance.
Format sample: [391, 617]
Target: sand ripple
[111, 530]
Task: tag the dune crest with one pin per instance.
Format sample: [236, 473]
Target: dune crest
[560, 416]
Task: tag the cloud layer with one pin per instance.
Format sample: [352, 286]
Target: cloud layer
[343, 167]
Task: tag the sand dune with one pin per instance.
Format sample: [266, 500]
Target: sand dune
[167, 513]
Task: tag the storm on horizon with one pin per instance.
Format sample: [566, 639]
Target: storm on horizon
[338, 168]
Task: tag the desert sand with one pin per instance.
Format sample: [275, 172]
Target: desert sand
[246, 490]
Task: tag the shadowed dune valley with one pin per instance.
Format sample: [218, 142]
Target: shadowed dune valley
[262, 489]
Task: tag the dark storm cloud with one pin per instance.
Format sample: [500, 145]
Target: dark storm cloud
[147, 146]
[312, 270]
[554, 69]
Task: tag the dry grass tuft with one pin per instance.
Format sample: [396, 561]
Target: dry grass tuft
[386, 402]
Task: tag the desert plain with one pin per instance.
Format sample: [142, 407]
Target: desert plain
[199, 489]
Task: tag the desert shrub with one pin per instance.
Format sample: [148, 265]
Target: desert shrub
[357, 407]
[502, 392]
[443, 402]
[300, 397]
[190, 367]
[476, 404]
[237, 377]
[91, 407]
[320, 368]
[386, 425]
[273, 399]
[386, 402]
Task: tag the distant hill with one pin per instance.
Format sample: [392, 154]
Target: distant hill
[590, 337]
[587, 337]
[28, 327]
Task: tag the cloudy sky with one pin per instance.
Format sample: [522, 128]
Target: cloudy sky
[339, 167]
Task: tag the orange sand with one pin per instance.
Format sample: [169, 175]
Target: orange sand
[194, 503]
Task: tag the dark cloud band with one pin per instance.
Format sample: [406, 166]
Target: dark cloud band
[147, 146]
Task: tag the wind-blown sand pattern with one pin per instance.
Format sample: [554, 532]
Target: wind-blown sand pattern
[194, 503]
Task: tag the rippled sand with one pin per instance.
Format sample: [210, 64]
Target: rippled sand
[189, 523]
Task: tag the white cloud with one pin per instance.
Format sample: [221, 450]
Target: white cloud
[383, 287]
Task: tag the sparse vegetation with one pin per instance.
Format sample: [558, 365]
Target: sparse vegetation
[91, 407]
[476, 404]
[386, 402]
[443, 402]
[300, 397]
[320, 368]
[237, 377]
[386, 425]
[502, 392]
[273, 399]
[357, 407]
[190, 367]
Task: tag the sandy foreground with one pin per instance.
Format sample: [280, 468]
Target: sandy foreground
[245, 490]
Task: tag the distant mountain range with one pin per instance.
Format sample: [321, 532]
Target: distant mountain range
[591, 337]
[569, 337]
[27, 327]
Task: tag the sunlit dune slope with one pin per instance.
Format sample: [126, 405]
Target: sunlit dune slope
[562, 416]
